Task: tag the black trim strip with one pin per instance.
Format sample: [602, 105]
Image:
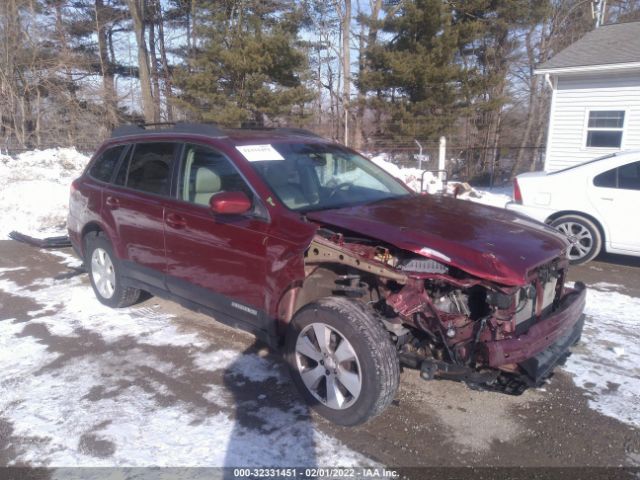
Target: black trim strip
[202, 300]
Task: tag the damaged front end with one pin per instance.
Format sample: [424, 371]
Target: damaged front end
[451, 324]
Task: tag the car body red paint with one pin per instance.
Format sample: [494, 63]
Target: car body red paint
[488, 242]
[253, 270]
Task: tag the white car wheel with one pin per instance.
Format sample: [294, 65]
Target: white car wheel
[584, 235]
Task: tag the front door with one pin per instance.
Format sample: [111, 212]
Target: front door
[218, 261]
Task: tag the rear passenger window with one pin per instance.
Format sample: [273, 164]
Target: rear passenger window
[206, 172]
[104, 166]
[149, 168]
[629, 176]
[626, 177]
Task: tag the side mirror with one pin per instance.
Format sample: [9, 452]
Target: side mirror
[230, 203]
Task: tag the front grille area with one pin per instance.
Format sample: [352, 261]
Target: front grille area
[527, 298]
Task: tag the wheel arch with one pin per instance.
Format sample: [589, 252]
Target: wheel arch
[94, 227]
[319, 283]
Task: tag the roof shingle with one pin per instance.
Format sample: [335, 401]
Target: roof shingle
[607, 45]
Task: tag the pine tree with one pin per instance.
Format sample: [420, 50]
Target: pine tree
[247, 67]
[413, 78]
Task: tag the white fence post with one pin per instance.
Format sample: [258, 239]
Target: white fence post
[419, 154]
[442, 153]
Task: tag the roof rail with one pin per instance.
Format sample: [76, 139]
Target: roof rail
[210, 130]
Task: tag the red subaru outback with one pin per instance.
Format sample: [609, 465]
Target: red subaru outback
[322, 254]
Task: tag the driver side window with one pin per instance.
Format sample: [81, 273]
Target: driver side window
[206, 172]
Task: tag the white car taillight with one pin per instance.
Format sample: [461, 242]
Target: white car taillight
[517, 194]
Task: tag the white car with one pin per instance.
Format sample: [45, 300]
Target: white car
[595, 203]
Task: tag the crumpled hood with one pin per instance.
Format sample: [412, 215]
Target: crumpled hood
[488, 242]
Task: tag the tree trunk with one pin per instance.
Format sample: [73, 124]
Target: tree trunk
[137, 9]
[194, 34]
[109, 98]
[155, 74]
[532, 108]
[346, 67]
[358, 114]
[165, 64]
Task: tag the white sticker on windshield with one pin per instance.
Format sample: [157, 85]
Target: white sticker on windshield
[259, 153]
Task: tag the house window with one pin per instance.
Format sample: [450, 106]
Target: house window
[604, 128]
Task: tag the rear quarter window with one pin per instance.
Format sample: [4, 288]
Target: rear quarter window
[104, 166]
[606, 179]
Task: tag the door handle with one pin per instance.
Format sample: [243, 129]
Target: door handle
[175, 221]
[112, 202]
[608, 199]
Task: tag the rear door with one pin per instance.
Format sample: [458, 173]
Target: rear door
[616, 197]
[218, 261]
[134, 207]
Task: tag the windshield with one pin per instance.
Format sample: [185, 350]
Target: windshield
[311, 177]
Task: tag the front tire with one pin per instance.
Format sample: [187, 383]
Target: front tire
[342, 360]
[584, 235]
[104, 273]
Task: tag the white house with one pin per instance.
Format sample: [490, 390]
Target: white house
[595, 105]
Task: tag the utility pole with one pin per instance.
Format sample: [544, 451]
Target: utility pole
[598, 9]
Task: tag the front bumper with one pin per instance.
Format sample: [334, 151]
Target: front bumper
[546, 343]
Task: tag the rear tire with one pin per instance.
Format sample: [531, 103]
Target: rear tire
[104, 273]
[355, 374]
[585, 237]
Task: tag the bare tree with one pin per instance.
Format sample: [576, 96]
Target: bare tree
[137, 9]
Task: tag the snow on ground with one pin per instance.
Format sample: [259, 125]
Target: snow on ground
[412, 177]
[606, 363]
[86, 385]
[496, 197]
[34, 190]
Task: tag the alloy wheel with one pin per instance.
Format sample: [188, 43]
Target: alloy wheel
[580, 237]
[328, 365]
[103, 273]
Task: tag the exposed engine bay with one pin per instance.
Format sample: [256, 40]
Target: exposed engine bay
[443, 321]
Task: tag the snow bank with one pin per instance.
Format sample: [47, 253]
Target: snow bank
[34, 190]
[87, 385]
[412, 177]
[496, 197]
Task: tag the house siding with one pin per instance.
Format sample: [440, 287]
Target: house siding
[573, 97]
